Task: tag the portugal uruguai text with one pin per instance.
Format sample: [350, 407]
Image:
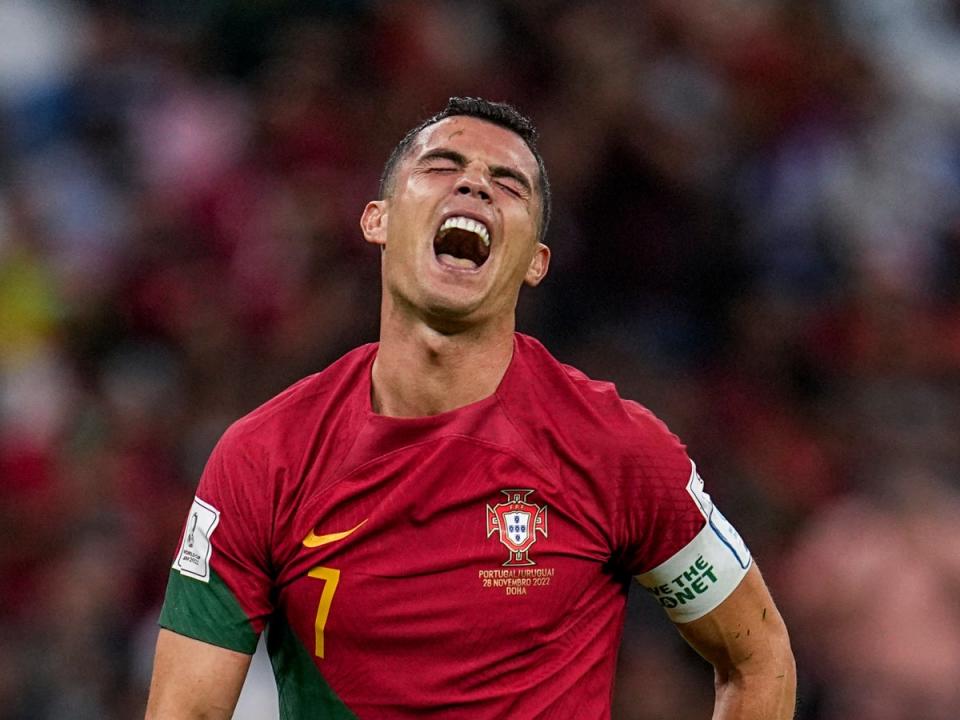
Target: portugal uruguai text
[515, 581]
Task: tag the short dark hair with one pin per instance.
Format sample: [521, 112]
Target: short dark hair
[497, 113]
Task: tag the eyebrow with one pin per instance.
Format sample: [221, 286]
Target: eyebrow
[497, 171]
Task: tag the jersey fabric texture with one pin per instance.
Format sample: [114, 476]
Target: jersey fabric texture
[473, 564]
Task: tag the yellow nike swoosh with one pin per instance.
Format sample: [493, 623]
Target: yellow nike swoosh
[313, 540]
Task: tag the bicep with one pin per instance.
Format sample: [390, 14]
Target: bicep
[745, 634]
[194, 679]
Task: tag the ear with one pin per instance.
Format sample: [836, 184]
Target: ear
[373, 222]
[539, 265]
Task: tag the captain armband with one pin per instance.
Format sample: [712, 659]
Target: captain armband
[703, 573]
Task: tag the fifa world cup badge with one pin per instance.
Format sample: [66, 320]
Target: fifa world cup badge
[517, 522]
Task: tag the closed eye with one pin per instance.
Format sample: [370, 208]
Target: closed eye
[511, 187]
[512, 181]
[442, 161]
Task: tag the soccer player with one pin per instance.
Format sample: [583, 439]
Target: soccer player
[445, 523]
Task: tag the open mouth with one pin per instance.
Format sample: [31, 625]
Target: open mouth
[462, 242]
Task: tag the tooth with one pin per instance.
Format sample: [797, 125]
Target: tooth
[484, 235]
[464, 223]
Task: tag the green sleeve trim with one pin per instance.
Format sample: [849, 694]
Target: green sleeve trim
[302, 689]
[206, 611]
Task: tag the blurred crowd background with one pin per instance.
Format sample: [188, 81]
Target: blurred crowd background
[756, 234]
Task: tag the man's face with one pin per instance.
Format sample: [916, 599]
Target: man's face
[459, 228]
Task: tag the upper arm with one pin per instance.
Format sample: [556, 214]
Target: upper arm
[746, 641]
[194, 679]
[218, 590]
[743, 630]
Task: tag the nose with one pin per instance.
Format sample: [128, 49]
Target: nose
[473, 183]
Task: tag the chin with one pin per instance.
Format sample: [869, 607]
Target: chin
[450, 310]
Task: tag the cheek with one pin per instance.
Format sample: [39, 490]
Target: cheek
[424, 193]
[524, 240]
[405, 226]
[522, 217]
[515, 267]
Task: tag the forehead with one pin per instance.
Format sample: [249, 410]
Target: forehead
[477, 139]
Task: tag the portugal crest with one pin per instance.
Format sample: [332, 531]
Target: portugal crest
[517, 521]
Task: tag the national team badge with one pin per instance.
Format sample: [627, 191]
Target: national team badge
[517, 521]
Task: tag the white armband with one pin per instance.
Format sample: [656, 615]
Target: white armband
[704, 572]
[193, 558]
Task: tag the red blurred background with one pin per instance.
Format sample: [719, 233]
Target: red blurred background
[756, 234]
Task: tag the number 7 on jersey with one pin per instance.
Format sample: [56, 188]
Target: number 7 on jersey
[331, 579]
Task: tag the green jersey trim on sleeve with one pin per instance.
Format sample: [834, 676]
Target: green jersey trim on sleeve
[206, 611]
[302, 689]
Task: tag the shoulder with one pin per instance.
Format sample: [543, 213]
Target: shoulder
[550, 392]
[311, 405]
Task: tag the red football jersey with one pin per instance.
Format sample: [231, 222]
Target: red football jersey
[473, 564]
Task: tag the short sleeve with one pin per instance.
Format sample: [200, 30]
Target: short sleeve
[219, 587]
[676, 542]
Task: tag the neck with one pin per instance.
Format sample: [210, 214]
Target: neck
[421, 371]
